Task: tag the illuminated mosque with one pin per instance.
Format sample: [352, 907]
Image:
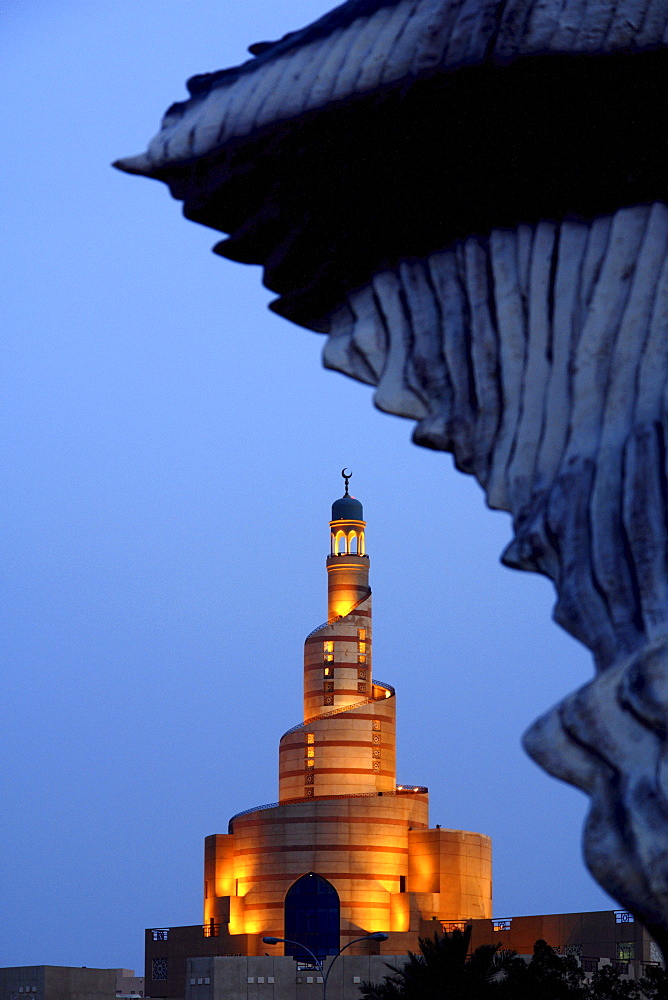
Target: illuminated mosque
[346, 852]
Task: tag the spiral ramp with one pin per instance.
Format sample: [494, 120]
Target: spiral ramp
[341, 814]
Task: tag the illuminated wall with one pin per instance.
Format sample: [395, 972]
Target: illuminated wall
[341, 813]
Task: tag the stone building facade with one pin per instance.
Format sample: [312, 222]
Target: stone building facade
[595, 939]
[346, 851]
[62, 982]
[598, 938]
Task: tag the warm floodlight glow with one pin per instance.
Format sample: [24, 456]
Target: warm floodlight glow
[236, 922]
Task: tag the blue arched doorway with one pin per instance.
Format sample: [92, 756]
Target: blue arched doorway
[312, 916]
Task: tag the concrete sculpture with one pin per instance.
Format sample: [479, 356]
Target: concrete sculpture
[469, 198]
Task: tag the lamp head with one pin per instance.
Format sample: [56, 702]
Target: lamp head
[271, 940]
[379, 936]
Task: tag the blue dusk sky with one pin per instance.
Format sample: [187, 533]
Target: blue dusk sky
[170, 451]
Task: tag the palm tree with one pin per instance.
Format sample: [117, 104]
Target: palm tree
[442, 971]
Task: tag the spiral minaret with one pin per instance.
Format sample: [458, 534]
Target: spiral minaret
[345, 851]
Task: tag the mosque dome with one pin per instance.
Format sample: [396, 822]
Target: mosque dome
[347, 508]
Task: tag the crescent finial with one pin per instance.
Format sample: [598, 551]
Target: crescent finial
[346, 476]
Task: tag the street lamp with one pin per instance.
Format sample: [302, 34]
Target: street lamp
[378, 936]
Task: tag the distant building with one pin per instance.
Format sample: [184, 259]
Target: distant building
[59, 982]
[265, 978]
[128, 986]
[346, 851]
[602, 937]
[594, 939]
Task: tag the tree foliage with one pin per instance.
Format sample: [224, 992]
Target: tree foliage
[444, 970]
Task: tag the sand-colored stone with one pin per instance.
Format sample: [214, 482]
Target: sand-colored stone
[340, 812]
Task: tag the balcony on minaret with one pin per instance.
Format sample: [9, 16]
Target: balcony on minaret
[348, 538]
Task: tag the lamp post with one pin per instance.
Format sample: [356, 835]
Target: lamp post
[378, 936]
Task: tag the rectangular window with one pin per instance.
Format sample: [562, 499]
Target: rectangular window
[361, 659]
[502, 924]
[626, 951]
[206, 888]
[328, 651]
[402, 883]
[328, 671]
[310, 737]
[361, 687]
[361, 674]
[361, 647]
[328, 686]
[310, 763]
[310, 751]
[361, 635]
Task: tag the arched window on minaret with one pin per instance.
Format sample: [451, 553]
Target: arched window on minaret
[361, 550]
[352, 543]
[341, 543]
[312, 916]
